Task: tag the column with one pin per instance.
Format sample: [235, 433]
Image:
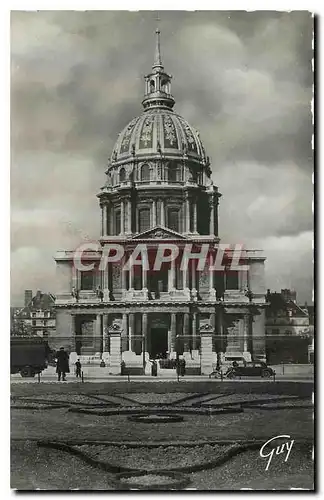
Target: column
[144, 333]
[187, 214]
[172, 277]
[212, 291]
[131, 331]
[74, 277]
[103, 226]
[108, 222]
[105, 281]
[73, 333]
[124, 335]
[98, 343]
[173, 331]
[154, 213]
[186, 320]
[115, 353]
[129, 216]
[162, 214]
[215, 211]
[122, 217]
[193, 276]
[212, 321]
[194, 331]
[246, 321]
[211, 216]
[131, 276]
[195, 216]
[144, 272]
[206, 358]
[123, 273]
[105, 332]
[185, 278]
[220, 331]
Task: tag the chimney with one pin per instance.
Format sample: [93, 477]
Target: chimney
[28, 297]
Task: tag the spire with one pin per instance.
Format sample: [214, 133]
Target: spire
[158, 82]
[157, 59]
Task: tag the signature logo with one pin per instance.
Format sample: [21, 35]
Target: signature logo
[268, 450]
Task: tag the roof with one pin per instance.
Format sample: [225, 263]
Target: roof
[158, 131]
[40, 302]
[278, 303]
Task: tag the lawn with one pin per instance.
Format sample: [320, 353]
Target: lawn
[213, 451]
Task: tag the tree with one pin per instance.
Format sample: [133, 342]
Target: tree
[19, 328]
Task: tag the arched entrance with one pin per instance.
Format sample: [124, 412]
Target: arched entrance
[157, 335]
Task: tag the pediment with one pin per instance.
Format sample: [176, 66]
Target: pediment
[159, 233]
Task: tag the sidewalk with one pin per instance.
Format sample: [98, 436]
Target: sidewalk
[96, 374]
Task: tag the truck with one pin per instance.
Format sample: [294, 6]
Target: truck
[28, 355]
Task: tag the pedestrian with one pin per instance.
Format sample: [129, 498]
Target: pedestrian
[182, 367]
[78, 369]
[154, 368]
[62, 364]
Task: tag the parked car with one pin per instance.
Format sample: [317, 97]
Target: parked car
[29, 355]
[251, 369]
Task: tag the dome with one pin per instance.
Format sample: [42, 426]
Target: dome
[158, 131]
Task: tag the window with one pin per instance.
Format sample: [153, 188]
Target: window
[173, 219]
[145, 173]
[144, 219]
[152, 86]
[275, 331]
[122, 175]
[231, 280]
[117, 222]
[87, 280]
[173, 172]
[34, 322]
[164, 86]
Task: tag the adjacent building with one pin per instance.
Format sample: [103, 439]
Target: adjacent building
[159, 190]
[288, 328]
[37, 317]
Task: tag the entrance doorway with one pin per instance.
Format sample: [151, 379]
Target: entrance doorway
[158, 342]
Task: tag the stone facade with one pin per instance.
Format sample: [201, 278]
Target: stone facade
[159, 190]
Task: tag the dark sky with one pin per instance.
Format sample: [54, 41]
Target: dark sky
[244, 80]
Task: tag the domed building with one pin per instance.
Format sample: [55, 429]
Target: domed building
[159, 191]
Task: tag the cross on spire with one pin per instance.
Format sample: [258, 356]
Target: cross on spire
[157, 58]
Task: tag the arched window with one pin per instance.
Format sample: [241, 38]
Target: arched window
[164, 86]
[173, 219]
[152, 86]
[144, 219]
[122, 175]
[145, 173]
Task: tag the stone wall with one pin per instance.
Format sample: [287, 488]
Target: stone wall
[258, 334]
[63, 337]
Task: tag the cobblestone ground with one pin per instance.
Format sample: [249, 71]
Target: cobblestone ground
[82, 437]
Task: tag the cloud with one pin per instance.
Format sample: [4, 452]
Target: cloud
[242, 79]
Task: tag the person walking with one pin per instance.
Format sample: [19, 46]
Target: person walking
[182, 367]
[62, 364]
[78, 369]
